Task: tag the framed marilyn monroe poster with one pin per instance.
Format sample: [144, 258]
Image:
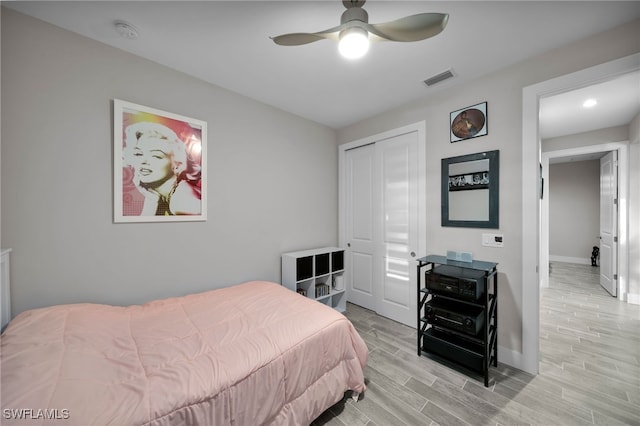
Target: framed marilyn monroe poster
[159, 165]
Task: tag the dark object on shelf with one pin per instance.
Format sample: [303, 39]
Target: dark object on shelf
[304, 268]
[456, 282]
[457, 316]
[322, 264]
[337, 261]
[450, 346]
[594, 256]
[458, 312]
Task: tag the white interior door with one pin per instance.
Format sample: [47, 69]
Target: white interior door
[381, 224]
[359, 228]
[608, 221]
[397, 245]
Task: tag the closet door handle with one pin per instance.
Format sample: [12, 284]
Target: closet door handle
[413, 254]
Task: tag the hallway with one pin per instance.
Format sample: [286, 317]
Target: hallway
[590, 344]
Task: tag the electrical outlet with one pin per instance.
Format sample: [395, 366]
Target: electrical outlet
[493, 240]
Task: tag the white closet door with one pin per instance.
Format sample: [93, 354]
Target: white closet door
[397, 244]
[381, 186]
[359, 226]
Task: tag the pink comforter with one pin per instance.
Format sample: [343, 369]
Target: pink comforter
[250, 354]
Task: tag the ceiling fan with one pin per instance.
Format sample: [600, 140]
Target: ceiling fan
[355, 31]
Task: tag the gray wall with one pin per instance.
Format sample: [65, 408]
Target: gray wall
[503, 92]
[272, 177]
[574, 210]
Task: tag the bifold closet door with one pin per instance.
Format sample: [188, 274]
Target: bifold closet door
[360, 212]
[382, 226]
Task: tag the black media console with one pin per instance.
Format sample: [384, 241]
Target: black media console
[458, 312]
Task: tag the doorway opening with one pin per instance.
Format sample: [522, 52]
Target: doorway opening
[621, 148]
[531, 223]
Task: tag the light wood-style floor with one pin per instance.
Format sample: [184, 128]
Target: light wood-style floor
[589, 368]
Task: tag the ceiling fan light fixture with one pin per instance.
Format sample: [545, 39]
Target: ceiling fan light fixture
[354, 42]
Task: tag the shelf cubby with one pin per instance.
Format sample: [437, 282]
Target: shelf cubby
[319, 273]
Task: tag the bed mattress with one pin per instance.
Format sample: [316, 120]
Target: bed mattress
[250, 354]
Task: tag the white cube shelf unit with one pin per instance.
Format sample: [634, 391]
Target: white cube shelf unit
[317, 274]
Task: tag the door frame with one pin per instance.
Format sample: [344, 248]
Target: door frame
[531, 154]
[623, 185]
[420, 128]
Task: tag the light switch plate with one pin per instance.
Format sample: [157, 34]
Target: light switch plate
[493, 240]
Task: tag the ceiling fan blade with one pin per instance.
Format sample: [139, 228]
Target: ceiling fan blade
[411, 28]
[298, 39]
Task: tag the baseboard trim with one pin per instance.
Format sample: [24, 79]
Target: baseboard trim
[566, 259]
[633, 298]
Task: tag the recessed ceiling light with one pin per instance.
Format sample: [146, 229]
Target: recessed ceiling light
[590, 103]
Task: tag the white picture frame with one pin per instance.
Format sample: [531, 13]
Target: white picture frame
[160, 165]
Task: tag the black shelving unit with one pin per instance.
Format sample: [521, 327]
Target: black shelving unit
[455, 323]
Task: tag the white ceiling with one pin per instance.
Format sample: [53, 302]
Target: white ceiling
[227, 43]
[618, 102]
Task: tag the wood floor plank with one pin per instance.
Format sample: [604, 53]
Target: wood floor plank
[373, 341]
[609, 353]
[550, 410]
[493, 414]
[564, 354]
[435, 369]
[528, 382]
[592, 397]
[623, 350]
[378, 414]
[440, 396]
[397, 407]
[441, 416]
[348, 413]
[604, 420]
[404, 367]
[401, 392]
[605, 409]
[570, 374]
[405, 342]
[383, 361]
[610, 384]
[524, 414]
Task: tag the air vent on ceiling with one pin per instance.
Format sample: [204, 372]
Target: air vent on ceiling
[439, 77]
